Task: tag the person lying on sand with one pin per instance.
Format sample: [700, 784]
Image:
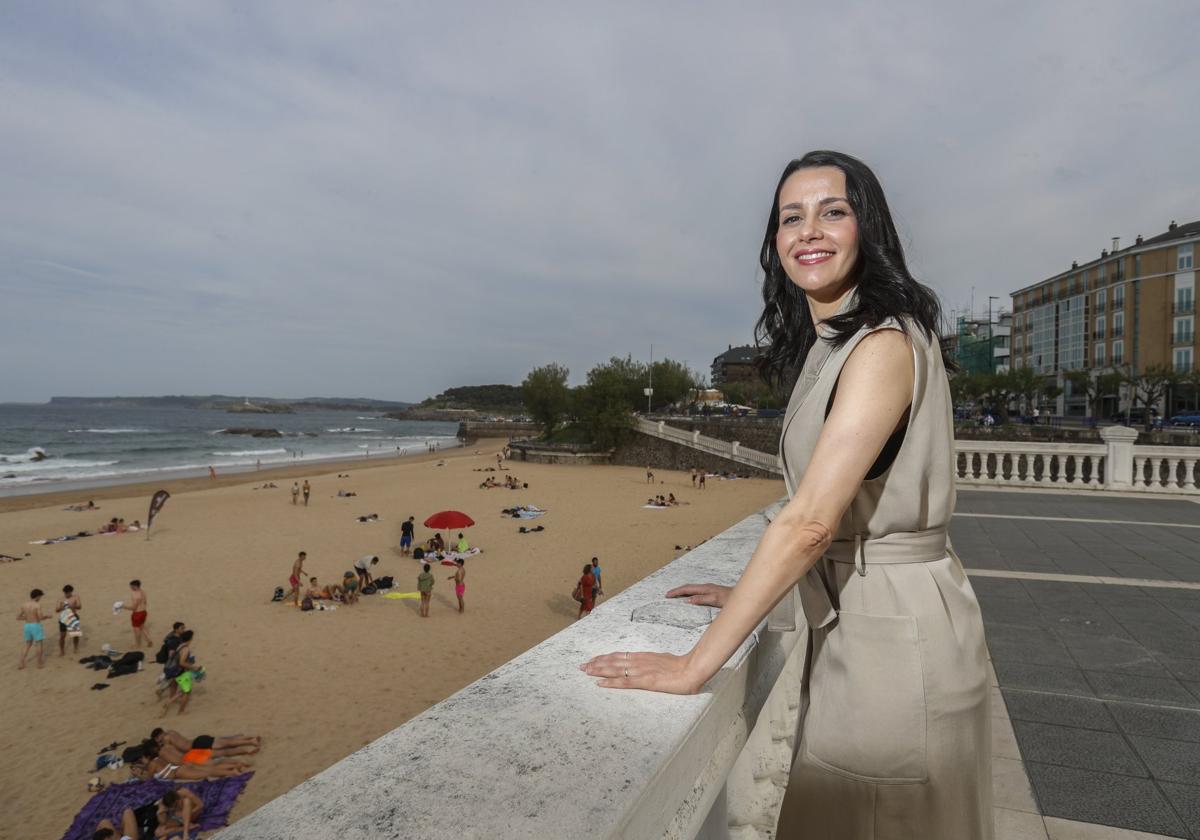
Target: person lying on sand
[196, 754]
[78, 508]
[346, 494]
[153, 765]
[222, 746]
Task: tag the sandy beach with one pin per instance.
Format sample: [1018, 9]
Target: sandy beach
[315, 685]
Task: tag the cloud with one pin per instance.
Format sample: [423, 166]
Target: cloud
[371, 199]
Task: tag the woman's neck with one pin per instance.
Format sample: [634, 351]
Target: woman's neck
[825, 306]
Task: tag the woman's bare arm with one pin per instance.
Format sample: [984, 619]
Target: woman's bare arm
[874, 392]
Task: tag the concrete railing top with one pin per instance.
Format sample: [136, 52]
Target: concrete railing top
[536, 750]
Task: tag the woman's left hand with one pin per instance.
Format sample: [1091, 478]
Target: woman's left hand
[663, 672]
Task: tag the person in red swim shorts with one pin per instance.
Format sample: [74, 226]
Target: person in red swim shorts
[138, 605]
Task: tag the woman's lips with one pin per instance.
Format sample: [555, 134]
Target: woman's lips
[813, 257]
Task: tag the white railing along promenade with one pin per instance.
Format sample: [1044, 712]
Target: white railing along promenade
[536, 750]
[714, 446]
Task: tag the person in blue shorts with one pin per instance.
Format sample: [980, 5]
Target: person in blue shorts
[31, 614]
[406, 535]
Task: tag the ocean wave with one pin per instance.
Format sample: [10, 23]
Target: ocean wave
[237, 452]
[54, 465]
[33, 454]
[351, 429]
[111, 431]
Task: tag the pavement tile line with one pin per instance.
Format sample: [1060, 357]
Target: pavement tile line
[1075, 519]
[1057, 577]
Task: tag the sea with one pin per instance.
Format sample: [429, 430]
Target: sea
[50, 447]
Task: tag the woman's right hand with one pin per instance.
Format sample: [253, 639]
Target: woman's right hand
[704, 594]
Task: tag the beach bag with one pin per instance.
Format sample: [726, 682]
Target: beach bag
[278, 596]
[369, 589]
[578, 593]
[130, 663]
[306, 604]
[384, 582]
[172, 669]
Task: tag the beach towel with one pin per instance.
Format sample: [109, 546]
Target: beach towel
[528, 514]
[657, 507]
[470, 552]
[396, 596]
[218, 796]
[70, 620]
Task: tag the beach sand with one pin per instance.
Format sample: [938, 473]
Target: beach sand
[317, 685]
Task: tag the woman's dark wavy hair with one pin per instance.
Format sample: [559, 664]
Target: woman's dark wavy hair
[785, 330]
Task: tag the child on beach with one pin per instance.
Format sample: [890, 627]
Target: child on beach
[425, 587]
[31, 614]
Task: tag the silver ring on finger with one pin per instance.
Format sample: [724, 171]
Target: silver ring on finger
[626, 673]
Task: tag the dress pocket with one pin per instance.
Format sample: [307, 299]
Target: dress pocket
[866, 718]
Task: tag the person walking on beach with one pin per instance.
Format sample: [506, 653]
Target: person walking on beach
[32, 632]
[68, 601]
[138, 606]
[307, 491]
[212, 473]
[586, 592]
[649, 475]
[189, 673]
[296, 577]
[295, 492]
[406, 536]
[693, 478]
[460, 582]
[893, 739]
[599, 588]
[425, 587]
[702, 476]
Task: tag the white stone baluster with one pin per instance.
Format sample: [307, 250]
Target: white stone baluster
[1119, 442]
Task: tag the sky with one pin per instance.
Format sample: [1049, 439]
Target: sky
[388, 199]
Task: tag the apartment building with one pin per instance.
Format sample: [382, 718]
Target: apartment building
[1131, 309]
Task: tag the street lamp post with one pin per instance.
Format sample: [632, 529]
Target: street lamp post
[991, 347]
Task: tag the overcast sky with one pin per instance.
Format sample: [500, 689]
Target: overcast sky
[384, 200]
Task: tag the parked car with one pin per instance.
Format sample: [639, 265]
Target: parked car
[1189, 419]
[1136, 417]
[769, 412]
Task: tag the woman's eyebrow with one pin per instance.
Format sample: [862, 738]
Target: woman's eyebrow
[796, 205]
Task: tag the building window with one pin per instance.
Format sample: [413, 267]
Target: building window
[1099, 333]
[1118, 352]
[1099, 355]
[1118, 324]
[1185, 302]
[1183, 360]
[1101, 299]
[1137, 265]
[1183, 330]
[1184, 259]
[1118, 297]
[1100, 273]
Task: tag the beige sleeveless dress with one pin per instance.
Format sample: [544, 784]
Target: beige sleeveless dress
[894, 738]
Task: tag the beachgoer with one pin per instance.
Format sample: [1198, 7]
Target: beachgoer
[130, 830]
[350, 586]
[69, 601]
[189, 672]
[307, 490]
[460, 582]
[138, 605]
[702, 476]
[425, 587]
[155, 766]
[32, 632]
[212, 473]
[362, 568]
[893, 739]
[177, 813]
[220, 747]
[693, 476]
[587, 592]
[462, 546]
[296, 576]
[596, 574]
[295, 492]
[649, 475]
[406, 535]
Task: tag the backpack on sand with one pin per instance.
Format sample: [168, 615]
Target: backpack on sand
[306, 604]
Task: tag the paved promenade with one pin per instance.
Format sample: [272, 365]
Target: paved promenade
[1092, 609]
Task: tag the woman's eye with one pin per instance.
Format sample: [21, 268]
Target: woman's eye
[836, 213]
[787, 220]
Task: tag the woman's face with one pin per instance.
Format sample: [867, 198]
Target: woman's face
[817, 240]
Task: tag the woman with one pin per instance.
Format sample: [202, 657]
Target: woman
[895, 741]
[587, 592]
[182, 668]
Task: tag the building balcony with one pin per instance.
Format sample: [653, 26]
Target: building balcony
[1099, 308]
[1118, 332]
[1098, 335]
[1184, 307]
[1183, 338]
[1183, 367]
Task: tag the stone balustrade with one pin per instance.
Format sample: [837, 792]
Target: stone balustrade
[733, 450]
[536, 750]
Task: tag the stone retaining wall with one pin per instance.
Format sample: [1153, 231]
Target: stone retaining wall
[668, 455]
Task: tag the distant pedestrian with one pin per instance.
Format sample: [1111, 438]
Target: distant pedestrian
[307, 491]
[295, 492]
[702, 475]
[406, 535]
[693, 477]
[585, 592]
[460, 582]
[599, 590]
[425, 587]
[649, 475]
[138, 606]
[68, 608]
[258, 463]
[212, 473]
[32, 632]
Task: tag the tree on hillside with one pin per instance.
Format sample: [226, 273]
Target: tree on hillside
[547, 398]
[603, 405]
[753, 392]
[672, 382]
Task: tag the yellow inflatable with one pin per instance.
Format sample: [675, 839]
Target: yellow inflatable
[396, 596]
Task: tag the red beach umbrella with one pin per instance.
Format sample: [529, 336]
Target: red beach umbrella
[448, 520]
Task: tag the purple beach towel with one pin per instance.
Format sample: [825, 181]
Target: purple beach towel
[218, 796]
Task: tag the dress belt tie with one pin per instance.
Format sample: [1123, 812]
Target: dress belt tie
[816, 598]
